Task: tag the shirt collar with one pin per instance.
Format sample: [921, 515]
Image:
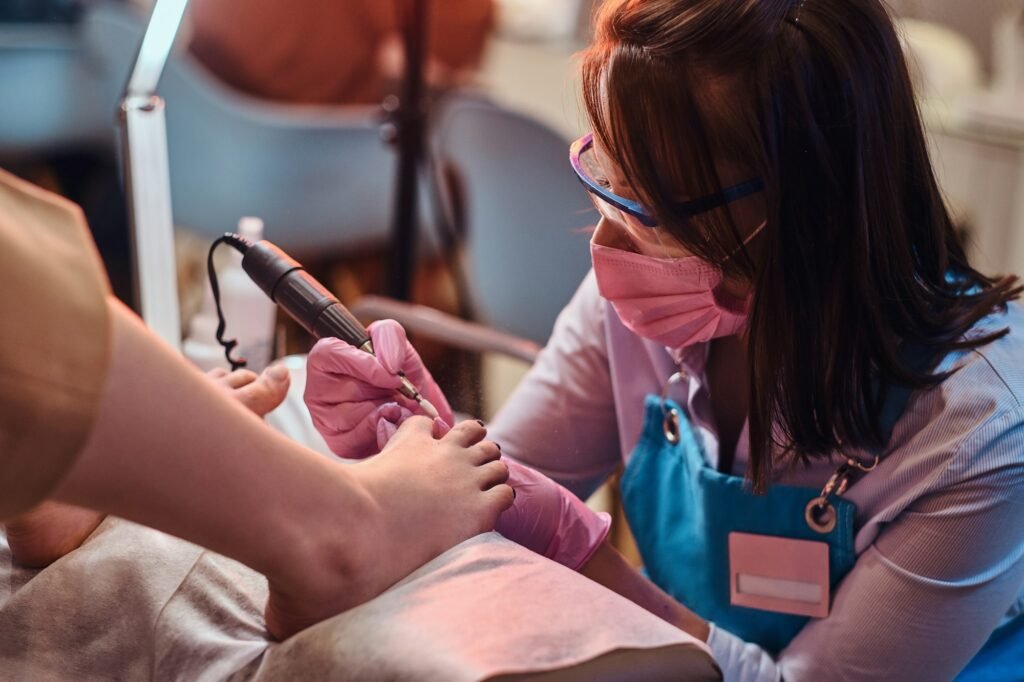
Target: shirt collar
[690, 359]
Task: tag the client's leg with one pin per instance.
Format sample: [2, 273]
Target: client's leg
[47, 532]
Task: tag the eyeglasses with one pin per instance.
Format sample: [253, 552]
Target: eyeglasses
[588, 169]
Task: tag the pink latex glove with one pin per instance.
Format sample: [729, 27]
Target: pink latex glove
[351, 394]
[545, 517]
[550, 520]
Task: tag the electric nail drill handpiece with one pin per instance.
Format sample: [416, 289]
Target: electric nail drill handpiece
[288, 284]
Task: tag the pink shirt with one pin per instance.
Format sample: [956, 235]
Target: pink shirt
[939, 530]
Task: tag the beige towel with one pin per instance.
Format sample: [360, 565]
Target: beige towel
[135, 604]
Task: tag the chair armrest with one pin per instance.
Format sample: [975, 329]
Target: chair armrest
[445, 328]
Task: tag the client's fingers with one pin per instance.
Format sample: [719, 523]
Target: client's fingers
[465, 434]
[238, 378]
[264, 392]
[217, 373]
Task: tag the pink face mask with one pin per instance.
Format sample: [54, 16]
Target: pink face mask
[670, 301]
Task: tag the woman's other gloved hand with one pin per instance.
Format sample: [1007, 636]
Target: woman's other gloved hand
[352, 395]
[550, 520]
[545, 517]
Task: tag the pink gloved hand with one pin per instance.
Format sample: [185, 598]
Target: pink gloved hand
[550, 520]
[544, 518]
[352, 395]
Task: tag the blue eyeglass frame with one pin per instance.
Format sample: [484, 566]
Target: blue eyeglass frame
[687, 208]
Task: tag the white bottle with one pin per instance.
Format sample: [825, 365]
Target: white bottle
[201, 346]
[249, 314]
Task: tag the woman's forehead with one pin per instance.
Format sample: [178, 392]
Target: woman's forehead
[728, 172]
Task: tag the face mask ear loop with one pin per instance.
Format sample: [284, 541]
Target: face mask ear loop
[666, 252]
[749, 238]
[757, 231]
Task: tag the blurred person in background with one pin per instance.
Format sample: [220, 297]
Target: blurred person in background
[333, 51]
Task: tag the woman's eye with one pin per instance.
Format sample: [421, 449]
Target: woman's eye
[603, 182]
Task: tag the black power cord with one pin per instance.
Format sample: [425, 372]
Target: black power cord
[240, 244]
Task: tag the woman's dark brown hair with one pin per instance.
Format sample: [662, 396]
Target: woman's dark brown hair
[859, 256]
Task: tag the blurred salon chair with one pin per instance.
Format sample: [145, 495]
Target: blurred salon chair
[320, 177]
[522, 213]
[51, 98]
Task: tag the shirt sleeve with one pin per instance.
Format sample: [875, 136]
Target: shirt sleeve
[560, 420]
[54, 341]
[923, 599]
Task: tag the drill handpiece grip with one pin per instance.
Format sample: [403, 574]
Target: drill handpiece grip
[288, 284]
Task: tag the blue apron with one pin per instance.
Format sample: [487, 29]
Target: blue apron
[681, 512]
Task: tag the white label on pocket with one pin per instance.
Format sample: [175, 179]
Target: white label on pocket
[779, 574]
[776, 588]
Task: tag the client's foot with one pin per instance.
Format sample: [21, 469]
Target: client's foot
[50, 530]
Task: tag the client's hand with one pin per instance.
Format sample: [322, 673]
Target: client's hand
[50, 530]
[351, 394]
[421, 496]
[550, 520]
[261, 393]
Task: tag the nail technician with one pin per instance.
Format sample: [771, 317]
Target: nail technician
[818, 401]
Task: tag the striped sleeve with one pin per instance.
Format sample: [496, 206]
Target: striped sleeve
[923, 599]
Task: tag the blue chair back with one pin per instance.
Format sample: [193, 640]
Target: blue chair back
[50, 99]
[526, 215]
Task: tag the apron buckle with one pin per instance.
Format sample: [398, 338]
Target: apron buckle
[819, 513]
[670, 424]
[670, 420]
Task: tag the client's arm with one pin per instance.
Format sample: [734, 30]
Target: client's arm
[609, 568]
[51, 529]
[169, 450]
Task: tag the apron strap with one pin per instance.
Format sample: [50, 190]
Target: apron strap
[818, 513]
[918, 358]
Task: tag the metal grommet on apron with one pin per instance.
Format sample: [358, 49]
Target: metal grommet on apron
[670, 416]
[819, 513]
[820, 516]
